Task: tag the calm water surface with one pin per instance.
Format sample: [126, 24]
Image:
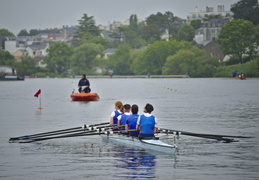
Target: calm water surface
[218, 106]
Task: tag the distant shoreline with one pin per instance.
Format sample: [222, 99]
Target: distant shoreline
[137, 76]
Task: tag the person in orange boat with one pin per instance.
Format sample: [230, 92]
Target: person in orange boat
[84, 85]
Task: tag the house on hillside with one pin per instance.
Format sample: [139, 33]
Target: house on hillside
[209, 12]
[212, 48]
[209, 30]
[20, 53]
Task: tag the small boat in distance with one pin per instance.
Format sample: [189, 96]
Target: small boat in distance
[8, 73]
[84, 97]
[11, 78]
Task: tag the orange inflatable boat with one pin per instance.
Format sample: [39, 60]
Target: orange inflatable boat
[84, 96]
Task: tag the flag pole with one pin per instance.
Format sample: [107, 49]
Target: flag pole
[40, 102]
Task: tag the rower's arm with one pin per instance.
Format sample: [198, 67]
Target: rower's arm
[111, 121]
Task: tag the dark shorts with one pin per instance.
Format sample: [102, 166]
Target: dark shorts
[143, 136]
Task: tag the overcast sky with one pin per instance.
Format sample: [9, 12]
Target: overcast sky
[16, 15]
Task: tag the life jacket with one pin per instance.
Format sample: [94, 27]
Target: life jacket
[132, 121]
[123, 120]
[147, 124]
[115, 118]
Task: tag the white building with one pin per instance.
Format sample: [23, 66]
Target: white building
[209, 11]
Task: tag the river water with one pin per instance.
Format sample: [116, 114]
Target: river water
[202, 105]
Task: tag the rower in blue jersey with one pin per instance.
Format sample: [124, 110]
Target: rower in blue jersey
[131, 123]
[124, 117]
[118, 111]
[147, 123]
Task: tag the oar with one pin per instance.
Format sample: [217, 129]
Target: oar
[209, 136]
[64, 136]
[92, 132]
[58, 131]
[67, 132]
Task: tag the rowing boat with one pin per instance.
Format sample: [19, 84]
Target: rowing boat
[84, 96]
[147, 144]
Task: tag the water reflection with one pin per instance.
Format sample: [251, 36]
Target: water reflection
[138, 164]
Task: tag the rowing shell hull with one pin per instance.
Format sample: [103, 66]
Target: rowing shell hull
[148, 144]
[84, 97]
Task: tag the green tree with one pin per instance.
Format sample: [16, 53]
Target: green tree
[151, 33]
[208, 17]
[84, 56]
[163, 21]
[121, 61]
[236, 37]
[6, 59]
[247, 10]
[253, 68]
[85, 28]
[34, 32]
[134, 21]
[27, 66]
[58, 59]
[87, 24]
[89, 38]
[152, 59]
[186, 33]
[5, 32]
[192, 61]
[196, 24]
[132, 39]
[23, 32]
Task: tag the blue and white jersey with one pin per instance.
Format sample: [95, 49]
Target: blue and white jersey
[147, 123]
[132, 121]
[115, 115]
[123, 118]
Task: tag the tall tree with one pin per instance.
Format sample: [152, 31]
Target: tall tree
[27, 66]
[236, 37]
[196, 24]
[186, 33]
[151, 33]
[121, 61]
[5, 32]
[6, 59]
[152, 59]
[247, 10]
[58, 59]
[134, 21]
[87, 24]
[192, 61]
[83, 58]
[23, 32]
[34, 32]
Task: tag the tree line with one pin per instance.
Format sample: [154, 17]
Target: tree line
[179, 55]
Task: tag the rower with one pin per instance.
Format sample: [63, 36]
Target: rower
[131, 123]
[147, 123]
[124, 117]
[118, 111]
